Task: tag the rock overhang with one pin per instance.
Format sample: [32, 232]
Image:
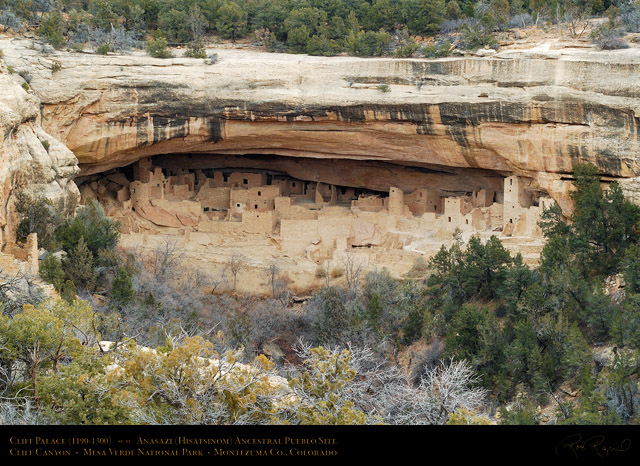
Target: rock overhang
[532, 113]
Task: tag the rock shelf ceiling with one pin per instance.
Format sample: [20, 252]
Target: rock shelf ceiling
[455, 124]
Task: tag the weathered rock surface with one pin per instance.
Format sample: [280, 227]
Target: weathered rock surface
[31, 160]
[463, 122]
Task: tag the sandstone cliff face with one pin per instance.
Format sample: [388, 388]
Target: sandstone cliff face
[30, 159]
[464, 122]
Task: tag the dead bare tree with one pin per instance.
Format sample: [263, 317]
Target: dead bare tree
[443, 390]
[282, 293]
[236, 263]
[20, 411]
[165, 260]
[369, 386]
[217, 279]
[576, 14]
[8, 369]
[171, 294]
[272, 271]
[279, 287]
[17, 290]
[354, 269]
[374, 375]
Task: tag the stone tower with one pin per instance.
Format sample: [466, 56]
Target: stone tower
[516, 199]
[396, 201]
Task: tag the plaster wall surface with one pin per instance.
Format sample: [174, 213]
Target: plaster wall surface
[214, 198]
[297, 234]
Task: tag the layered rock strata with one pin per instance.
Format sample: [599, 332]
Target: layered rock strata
[31, 160]
[533, 113]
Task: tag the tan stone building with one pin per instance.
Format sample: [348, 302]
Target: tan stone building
[313, 219]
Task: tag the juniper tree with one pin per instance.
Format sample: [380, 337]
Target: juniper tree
[51, 271]
[91, 224]
[122, 292]
[79, 266]
[598, 232]
[37, 215]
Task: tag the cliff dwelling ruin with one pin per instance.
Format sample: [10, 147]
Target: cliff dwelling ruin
[268, 214]
[302, 163]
